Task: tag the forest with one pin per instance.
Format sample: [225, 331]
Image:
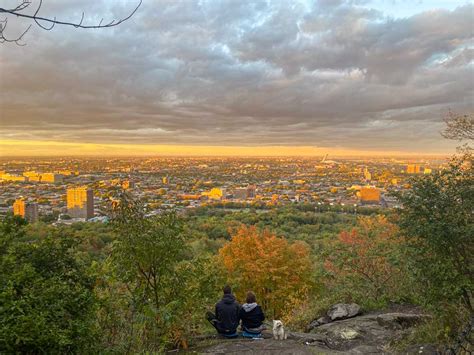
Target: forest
[143, 284]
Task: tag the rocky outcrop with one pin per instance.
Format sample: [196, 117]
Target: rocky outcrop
[337, 312]
[368, 333]
[345, 331]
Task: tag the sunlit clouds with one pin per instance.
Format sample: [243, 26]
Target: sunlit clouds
[299, 75]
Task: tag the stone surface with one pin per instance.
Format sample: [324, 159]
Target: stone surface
[336, 312]
[343, 311]
[264, 347]
[370, 333]
[400, 320]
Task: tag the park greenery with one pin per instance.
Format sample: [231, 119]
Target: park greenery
[143, 284]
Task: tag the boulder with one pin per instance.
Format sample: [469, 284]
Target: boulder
[343, 311]
[337, 312]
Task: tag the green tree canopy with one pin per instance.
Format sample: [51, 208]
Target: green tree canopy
[437, 218]
[46, 296]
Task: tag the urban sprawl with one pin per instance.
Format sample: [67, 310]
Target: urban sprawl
[83, 189]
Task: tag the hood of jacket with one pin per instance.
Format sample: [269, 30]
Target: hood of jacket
[249, 306]
[228, 299]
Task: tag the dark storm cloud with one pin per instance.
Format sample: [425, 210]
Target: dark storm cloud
[329, 73]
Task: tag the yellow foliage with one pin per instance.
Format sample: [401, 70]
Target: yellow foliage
[278, 272]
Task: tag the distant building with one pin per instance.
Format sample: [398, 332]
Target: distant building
[26, 210]
[11, 177]
[33, 176]
[369, 194]
[214, 194]
[367, 174]
[127, 184]
[68, 172]
[240, 193]
[244, 193]
[413, 169]
[51, 177]
[251, 191]
[80, 202]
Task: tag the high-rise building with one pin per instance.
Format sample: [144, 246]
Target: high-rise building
[369, 194]
[80, 202]
[413, 169]
[127, 184]
[26, 210]
[367, 174]
[51, 177]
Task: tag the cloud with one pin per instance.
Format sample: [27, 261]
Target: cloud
[336, 73]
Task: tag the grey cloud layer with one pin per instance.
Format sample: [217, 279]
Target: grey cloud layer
[332, 73]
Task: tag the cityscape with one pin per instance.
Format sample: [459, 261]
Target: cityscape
[59, 190]
[237, 177]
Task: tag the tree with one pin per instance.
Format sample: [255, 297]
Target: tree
[47, 23]
[165, 285]
[459, 127]
[47, 302]
[278, 272]
[364, 262]
[437, 219]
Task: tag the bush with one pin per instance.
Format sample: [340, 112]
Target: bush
[46, 295]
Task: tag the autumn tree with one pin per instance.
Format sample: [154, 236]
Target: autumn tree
[363, 262]
[278, 272]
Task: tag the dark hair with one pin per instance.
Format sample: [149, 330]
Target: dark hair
[251, 297]
[227, 290]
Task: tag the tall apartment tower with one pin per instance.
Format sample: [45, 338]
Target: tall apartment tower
[80, 202]
[26, 210]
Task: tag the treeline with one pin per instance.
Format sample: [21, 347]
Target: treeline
[143, 284]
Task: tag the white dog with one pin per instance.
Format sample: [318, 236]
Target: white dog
[278, 330]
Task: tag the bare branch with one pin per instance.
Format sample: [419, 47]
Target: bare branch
[47, 23]
[54, 21]
[459, 127]
[3, 39]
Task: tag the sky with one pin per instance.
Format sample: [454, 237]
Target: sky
[238, 77]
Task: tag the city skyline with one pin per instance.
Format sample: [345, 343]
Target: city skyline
[232, 78]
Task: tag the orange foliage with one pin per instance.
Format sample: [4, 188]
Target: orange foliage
[277, 271]
[366, 254]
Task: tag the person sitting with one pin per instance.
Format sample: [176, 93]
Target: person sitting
[252, 316]
[226, 319]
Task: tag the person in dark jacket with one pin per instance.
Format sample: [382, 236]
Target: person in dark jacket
[251, 314]
[226, 319]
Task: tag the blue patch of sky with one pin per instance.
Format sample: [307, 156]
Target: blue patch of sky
[407, 8]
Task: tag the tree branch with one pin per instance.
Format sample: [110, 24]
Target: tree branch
[51, 22]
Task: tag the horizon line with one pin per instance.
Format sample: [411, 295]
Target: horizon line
[10, 148]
